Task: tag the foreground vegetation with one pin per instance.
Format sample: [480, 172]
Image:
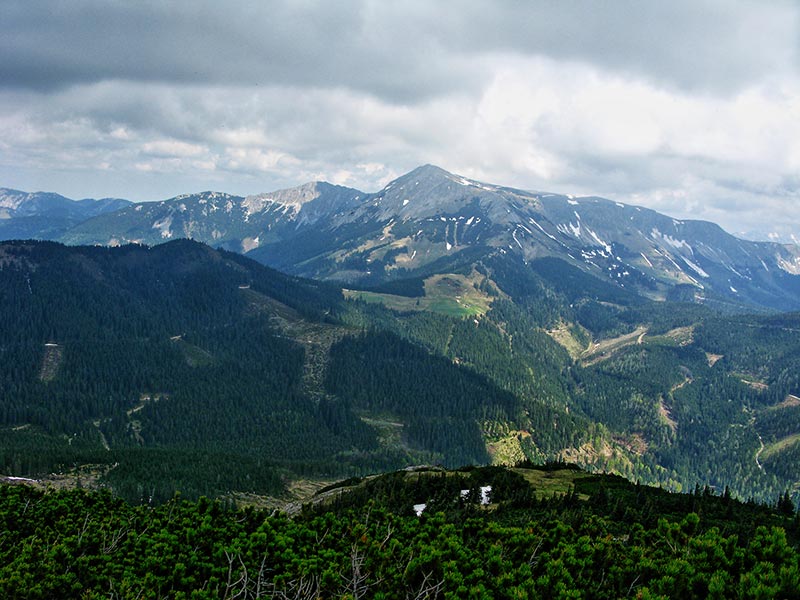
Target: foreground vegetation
[603, 538]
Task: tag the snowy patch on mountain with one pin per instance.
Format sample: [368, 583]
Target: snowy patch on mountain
[514, 235]
[678, 268]
[790, 266]
[570, 229]
[696, 268]
[598, 240]
[552, 237]
[250, 243]
[164, 225]
[730, 268]
[255, 204]
[675, 243]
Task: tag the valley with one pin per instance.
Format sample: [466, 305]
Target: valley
[233, 368]
[449, 322]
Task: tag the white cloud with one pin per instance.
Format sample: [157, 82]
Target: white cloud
[246, 159]
[245, 136]
[170, 148]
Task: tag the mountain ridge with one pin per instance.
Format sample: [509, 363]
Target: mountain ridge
[46, 215]
[429, 215]
[16, 203]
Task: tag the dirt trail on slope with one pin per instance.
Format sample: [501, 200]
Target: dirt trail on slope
[604, 349]
[53, 356]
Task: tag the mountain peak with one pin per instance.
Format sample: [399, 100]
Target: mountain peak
[426, 174]
[430, 177]
[304, 194]
[429, 169]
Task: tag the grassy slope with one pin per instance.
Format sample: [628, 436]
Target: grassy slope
[448, 294]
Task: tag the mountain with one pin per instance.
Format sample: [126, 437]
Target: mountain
[224, 373]
[133, 357]
[779, 233]
[429, 219]
[477, 324]
[42, 215]
[181, 367]
[431, 216]
[232, 222]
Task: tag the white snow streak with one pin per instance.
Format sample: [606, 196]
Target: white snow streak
[695, 268]
[552, 237]
[514, 235]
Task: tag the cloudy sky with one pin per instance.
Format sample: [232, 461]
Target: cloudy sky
[689, 107]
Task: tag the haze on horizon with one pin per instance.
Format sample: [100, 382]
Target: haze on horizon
[689, 107]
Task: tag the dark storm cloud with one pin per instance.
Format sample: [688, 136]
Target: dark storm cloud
[396, 50]
[315, 44]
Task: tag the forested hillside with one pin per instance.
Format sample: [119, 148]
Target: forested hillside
[179, 367]
[162, 363]
[183, 368]
[663, 392]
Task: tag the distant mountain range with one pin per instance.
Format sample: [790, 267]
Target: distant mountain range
[428, 220]
[430, 217]
[43, 215]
